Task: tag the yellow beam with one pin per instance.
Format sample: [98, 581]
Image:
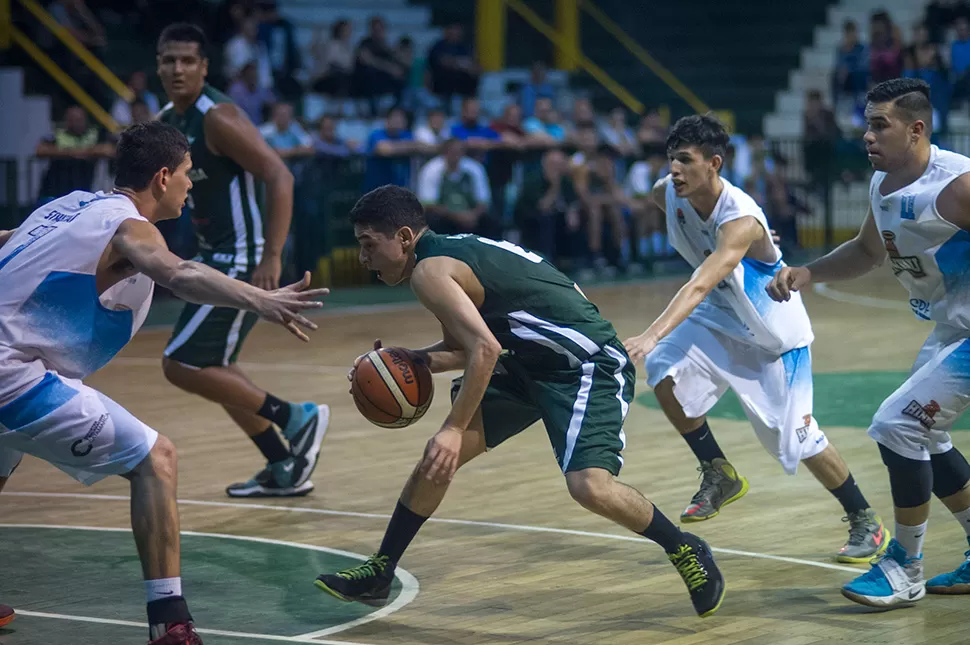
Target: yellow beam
[584, 63]
[5, 23]
[567, 24]
[83, 98]
[79, 50]
[490, 34]
[644, 57]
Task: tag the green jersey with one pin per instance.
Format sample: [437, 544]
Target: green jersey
[222, 201]
[537, 313]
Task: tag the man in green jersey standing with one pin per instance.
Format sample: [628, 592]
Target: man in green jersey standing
[229, 156]
[532, 348]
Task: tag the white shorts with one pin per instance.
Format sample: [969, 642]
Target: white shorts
[73, 427]
[775, 392]
[915, 420]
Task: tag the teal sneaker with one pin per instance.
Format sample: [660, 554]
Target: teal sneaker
[955, 582]
[275, 480]
[893, 580]
[305, 431]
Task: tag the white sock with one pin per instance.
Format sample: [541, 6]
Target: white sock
[963, 517]
[162, 588]
[911, 538]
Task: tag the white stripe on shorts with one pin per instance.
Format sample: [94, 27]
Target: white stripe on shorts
[579, 413]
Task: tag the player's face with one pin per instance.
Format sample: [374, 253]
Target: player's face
[388, 255]
[182, 70]
[889, 139]
[176, 186]
[690, 171]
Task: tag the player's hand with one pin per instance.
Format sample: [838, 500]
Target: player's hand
[775, 238]
[353, 370]
[283, 306]
[787, 280]
[267, 274]
[441, 456]
[639, 346]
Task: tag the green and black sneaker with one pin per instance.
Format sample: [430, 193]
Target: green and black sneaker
[369, 583]
[695, 564]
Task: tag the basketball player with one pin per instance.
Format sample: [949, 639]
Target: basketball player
[721, 331]
[77, 280]
[919, 217]
[229, 156]
[532, 348]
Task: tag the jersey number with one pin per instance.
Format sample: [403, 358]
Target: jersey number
[513, 248]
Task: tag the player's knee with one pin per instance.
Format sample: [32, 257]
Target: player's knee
[590, 487]
[951, 473]
[164, 459]
[910, 480]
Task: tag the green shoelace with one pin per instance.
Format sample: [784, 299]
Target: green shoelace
[685, 561]
[374, 566]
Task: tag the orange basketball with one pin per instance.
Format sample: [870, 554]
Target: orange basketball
[390, 389]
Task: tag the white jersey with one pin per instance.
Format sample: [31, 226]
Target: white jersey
[51, 317]
[929, 255]
[739, 306]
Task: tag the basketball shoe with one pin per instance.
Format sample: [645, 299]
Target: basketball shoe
[305, 433]
[275, 480]
[868, 537]
[6, 615]
[695, 564]
[895, 579]
[180, 634]
[368, 583]
[720, 485]
[955, 582]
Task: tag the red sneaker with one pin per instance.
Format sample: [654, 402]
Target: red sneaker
[6, 615]
[181, 634]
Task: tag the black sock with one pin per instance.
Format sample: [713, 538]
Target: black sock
[850, 496]
[402, 528]
[269, 443]
[276, 410]
[663, 532]
[702, 442]
[168, 611]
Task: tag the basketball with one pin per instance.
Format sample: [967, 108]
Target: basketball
[390, 389]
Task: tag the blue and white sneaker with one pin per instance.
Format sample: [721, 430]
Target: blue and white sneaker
[955, 582]
[305, 431]
[894, 580]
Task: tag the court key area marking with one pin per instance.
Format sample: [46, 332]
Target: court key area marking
[409, 585]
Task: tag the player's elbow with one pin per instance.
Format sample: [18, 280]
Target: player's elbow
[181, 278]
[488, 349]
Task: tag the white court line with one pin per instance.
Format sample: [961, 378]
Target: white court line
[298, 368]
[440, 520]
[826, 291]
[409, 587]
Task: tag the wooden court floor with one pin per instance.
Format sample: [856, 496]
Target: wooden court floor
[510, 558]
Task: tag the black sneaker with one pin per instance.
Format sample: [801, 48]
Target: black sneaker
[275, 480]
[369, 583]
[695, 564]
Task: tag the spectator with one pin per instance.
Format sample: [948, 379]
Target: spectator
[547, 211]
[820, 136]
[851, 65]
[509, 126]
[378, 72]
[650, 226]
[285, 135]
[388, 148]
[435, 131]
[420, 99]
[587, 142]
[121, 111]
[652, 130]
[885, 53]
[469, 129]
[279, 38]
[245, 47]
[544, 126]
[617, 134]
[602, 199]
[73, 151]
[583, 117]
[455, 193]
[249, 96]
[79, 20]
[537, 88]
[503, 159]
[941, 14]
[334, 61]
[923, 61]
[326, 143]
[453, 68]
[960, 60]
[140, 112]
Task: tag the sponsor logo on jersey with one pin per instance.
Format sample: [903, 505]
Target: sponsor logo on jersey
[57, 216]
[909, 263]
[920, 307]
[802, 433]
[680, 217]
[923, 413]
[907, 207]
[83, 446]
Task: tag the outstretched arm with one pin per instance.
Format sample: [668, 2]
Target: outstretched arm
[733, 241]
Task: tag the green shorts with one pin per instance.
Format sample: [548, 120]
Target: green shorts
[208, 336]
[583, 410]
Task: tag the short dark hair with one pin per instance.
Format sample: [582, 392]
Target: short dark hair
[146, 148]
[911, 96]
[183, 32]
[387, 209]
[701, 130]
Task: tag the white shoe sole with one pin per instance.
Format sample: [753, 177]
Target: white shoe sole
[898, 599]
[313, 454]
[262, 491]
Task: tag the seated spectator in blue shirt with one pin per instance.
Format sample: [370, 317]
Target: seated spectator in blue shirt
[545, 124]
[476, 135]
[388, 149]
[537, 88]
[926, 63]
[326, 143]
[285, 135]
[960, 59]
[249, 96]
